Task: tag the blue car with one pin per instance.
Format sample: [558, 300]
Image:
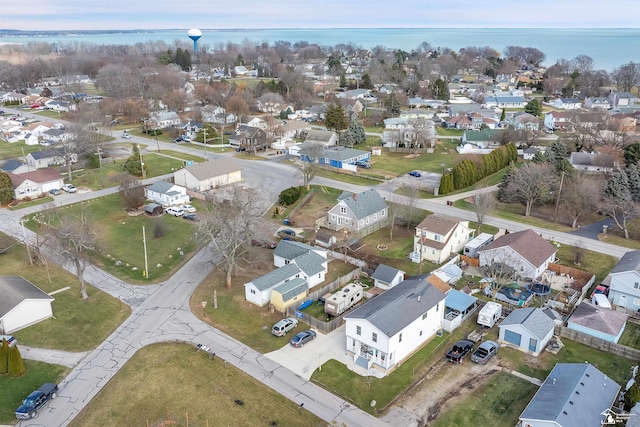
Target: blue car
[36, 401]
[302, 338]
[415, 174]
[286, 232]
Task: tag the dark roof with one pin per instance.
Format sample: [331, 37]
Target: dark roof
[630, 261]
[162, 187]
[291, 288]
[599, 319]
[363, 204]
[15, 289]
[40, 176]
[11, 165]
[573, 395]
[385, 274]
[591, 159]
[527, 243]
[533, 319]
[396, 308]
[45, 154]
[289, 249]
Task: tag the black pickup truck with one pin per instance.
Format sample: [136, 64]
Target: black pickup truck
[459, 350]
[36, 401]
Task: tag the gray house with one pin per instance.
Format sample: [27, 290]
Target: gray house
[528, 329]
[573, 395]
[624, 281]
[357, 212]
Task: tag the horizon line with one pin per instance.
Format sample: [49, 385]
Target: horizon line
[322, 28]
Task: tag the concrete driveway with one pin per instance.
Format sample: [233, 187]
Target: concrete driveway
[303, 361]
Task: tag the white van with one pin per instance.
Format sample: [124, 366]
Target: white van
[600, 300]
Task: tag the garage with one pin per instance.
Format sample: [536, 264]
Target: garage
[512, 337]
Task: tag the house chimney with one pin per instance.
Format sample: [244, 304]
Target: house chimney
[355, 196]
[554, 381]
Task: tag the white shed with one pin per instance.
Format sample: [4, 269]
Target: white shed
[22, 304]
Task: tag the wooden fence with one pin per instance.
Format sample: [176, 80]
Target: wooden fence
[609, 347]
[320, 325]
[473, 262]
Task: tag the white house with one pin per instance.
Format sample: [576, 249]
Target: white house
[524, 251]
[44, 159]
[624, 281]
[167, 194]
[22, 304]
[30, 185]
[527, 329]
[385, 277]
[358, 211]
[437, 237]
[566, 103]
[258, 291]
[208, 175]
[165, 120]
[597, 102]
[557, 120]
[572, 395]
[389, 328]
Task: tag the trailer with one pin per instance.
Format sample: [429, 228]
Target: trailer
[344, 299]
[490, 314]
[472, 248]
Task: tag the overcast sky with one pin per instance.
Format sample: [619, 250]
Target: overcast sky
[211, 14]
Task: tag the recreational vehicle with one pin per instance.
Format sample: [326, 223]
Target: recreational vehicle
[344, 299]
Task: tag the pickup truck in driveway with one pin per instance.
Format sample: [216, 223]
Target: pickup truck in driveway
[459, 350]
[36, 401]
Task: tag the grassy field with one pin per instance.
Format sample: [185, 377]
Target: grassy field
[175, 384]
[13, 390]
[116, 227]
[594, 262]
[631, 336]
[498, 402]
[78, 325]
[16, 149]
[400, 163]
[347, 177]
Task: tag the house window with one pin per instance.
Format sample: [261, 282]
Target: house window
[420, 333]
[424, 316]
[253, 291]
[437, 307]
[400, 337]
[436, 237]
[375, 217]
[636, 285]
[374, 337]
[367, 220]
[383, 212]
[358, 330]
[636, 301]
[343, 210]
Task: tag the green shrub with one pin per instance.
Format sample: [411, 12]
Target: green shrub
[4, 357]
[289, 196]
[16, 364]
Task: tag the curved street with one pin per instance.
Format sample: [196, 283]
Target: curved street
[161, 313]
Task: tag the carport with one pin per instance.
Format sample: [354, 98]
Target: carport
[153, 209]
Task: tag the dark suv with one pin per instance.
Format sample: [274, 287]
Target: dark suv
[36, 401]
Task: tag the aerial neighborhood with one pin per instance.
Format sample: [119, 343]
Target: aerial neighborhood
[404, 234]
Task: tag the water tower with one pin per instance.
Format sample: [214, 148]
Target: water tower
[195, 34]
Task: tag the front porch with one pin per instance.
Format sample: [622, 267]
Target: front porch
[459, 307]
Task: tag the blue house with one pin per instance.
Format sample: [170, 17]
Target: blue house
[336, 157]
[599, 322]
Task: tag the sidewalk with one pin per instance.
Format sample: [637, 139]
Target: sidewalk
[57, 357]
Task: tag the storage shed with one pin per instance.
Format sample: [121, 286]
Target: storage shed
[153, 209]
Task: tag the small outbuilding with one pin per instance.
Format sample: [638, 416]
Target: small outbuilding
[527, 329]
[153, 209]
[288, 293]
[598, 321]
[22, 304]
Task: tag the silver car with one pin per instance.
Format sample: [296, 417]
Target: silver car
[281, 328]
[484, 352]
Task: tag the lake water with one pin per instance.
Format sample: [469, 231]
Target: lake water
[609, 48]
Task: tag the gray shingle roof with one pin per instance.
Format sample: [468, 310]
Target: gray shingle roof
[534, 319]
[45, 154]
[394, 309]
[599, 319]
[288, 249]
[275, 276]
[573, 395]
[630, 261]
[15, 289]
[291, 288]
[527, 243]
[160, 187]
[342, 153]
[213, 168]
[363, 204]
[384, 273]
[310, 263]
[11, 165]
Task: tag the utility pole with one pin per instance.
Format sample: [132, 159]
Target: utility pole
[555, 212]
[144, 175]
[144, 244]
[204, 132]
[24, 239]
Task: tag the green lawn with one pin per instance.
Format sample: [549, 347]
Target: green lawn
[631, 336]
[347, 177]
[498, 402]
[594, 262]
[16, 149]
[50, 113]
[14, 390]
[400, 163]
[122, 241]
[175, 384]
[335, 377]
[449, 132]
[78, 325]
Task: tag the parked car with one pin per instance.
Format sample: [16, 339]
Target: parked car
[364, 165]
[264, 243]
[600, 289]
[415, 174]
[459, 351]
[54, 192]
[188, 208]
[36, 401]
[69, 188]
[302, 338]
[484, 352]
[288, 221]
[191, 217]
[286, 232]
[10, 339]
[178, 139]
[281, 328]
[126, 135]
[175, 211]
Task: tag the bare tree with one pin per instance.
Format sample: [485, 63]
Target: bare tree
[501, 270]
[531, 184]
[627, 76]
[309, 166]
[75, 237]
[228, 224]
[412, 193]
[577, 197]
[483, 202]
[617, 201]
[422, 134]
[131, 190]
[579, 252]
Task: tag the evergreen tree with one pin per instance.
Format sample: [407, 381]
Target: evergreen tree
[6, 188]
[343, 80]
[335, 118]
[366, 82]
[632, 154]
[392, 105]
[533, 107]
[503, 115]
[633, 177]
[617, 187]
[507, 178]
[133, 165]
[16, 364]
[440, 89]
[4, 357]
[346, 139]
[356, 128]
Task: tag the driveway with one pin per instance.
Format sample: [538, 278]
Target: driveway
[305, 360]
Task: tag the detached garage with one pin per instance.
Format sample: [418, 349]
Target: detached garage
[22, 304]
[527, 329]
[209, 175]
